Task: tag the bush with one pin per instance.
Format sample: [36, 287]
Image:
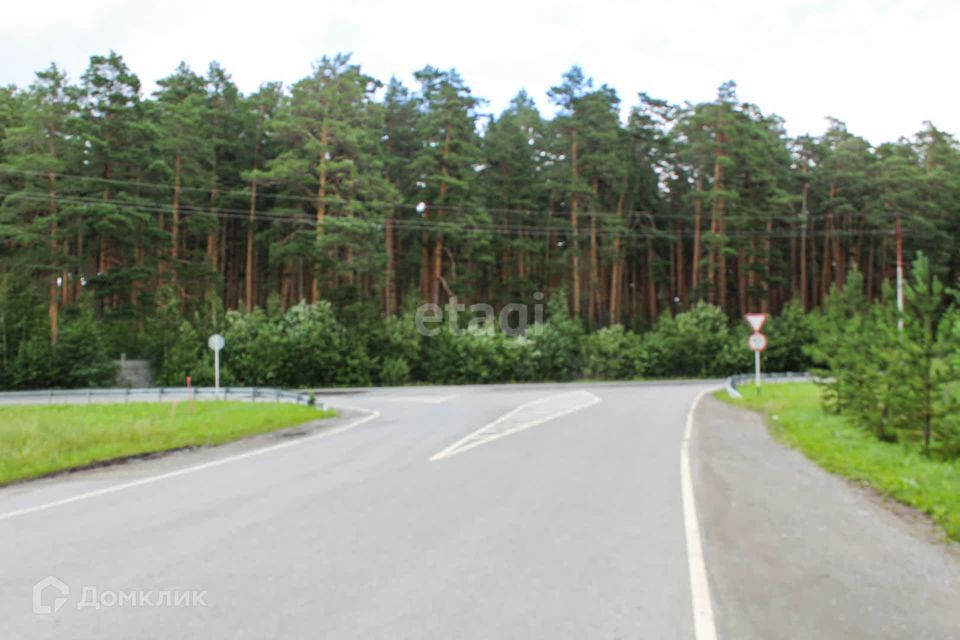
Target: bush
[556, 347]
[255, 343]
[188, 355]
[394, 372]
[695, 343]
[80, 358]
[400, 341]
[33, 367]
[790, 333]
[613, 353]
[306, 346]
[474, 355]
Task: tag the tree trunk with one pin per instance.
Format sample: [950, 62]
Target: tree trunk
[651, 280]
[697, 217]
[248, 294]
[742, 279]
[389, 291]
[574, 225]
[175, 213]
[616, 271]
[213, 251]
[681, 291]
[54, 308]
[320, 206]
[436, 270]
[765, 303]
[594, 263]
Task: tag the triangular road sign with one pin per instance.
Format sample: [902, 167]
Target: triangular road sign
[756, 320]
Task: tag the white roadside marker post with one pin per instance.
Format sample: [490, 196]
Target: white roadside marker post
[216, 342]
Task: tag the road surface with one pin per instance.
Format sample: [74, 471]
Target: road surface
[540, 511]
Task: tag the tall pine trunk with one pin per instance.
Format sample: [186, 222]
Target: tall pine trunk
[320, 207]
[594, 262]
[574, 225]
[697, 242]
[389, 290]
[54, 300]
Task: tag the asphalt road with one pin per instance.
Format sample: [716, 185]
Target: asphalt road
[544, 511]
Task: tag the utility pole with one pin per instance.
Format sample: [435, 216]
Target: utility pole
[899, 234]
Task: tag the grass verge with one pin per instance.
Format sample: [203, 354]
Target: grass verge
[40, 440]
[796, 418]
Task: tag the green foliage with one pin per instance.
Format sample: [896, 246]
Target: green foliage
[894, 375]
[80, 358]
[394, 372]
[188, 355]
[696, 343]
[475, 355]
[835, 354]
[556, 343]
[613, 353]
[33, 367]
[789, 334]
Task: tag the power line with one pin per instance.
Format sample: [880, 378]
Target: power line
[334, 222]
[335, 200]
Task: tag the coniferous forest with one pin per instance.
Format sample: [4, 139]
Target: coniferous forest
[306, 222]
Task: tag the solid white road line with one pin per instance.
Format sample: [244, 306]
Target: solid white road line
[704, 627]
[181, 472]
[528, 414]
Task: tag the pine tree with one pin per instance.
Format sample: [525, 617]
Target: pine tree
[37, 152]
[115, 134]
[445, 168]
[183, 112]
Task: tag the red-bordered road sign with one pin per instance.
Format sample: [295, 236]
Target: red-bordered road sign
[757, 342]
[756, 320]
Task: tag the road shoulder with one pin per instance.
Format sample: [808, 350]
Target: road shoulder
[795, 552]
[27, 494]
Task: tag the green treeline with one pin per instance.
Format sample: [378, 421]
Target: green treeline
[344, 200]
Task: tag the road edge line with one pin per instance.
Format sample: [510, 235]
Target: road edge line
[372, 415]
[704, 626]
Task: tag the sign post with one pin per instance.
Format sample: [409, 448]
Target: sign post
[216, 342]
[757, 342]
[756, 369]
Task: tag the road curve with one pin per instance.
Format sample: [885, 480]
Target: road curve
[535, 511]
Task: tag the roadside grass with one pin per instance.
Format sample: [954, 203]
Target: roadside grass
[896, 470]
[40, 440]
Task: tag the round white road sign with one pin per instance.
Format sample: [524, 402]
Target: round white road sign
[216, 342]
[757, 342]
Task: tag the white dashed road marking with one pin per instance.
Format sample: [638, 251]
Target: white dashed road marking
[523, 417]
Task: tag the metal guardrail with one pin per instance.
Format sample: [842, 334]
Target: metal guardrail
[787, 376]
[156, 394]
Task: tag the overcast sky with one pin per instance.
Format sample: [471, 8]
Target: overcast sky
[881, 66]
